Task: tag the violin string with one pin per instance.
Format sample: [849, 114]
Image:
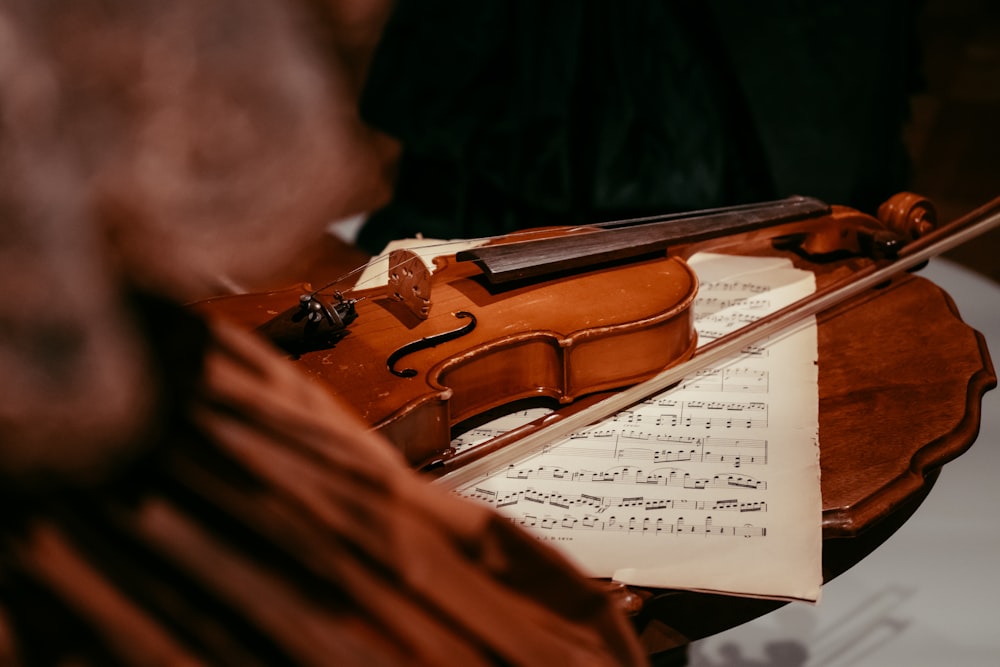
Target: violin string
[434, 246]
[517, 235]
[371, 262]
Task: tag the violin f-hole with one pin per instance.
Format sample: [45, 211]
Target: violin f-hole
[426, 342]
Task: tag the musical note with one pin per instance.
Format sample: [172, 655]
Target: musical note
[743, 380]
[674, 477]
[601, 503]
[635, 525]
[709, 305]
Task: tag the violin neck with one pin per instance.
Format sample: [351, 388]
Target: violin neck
[629, 239]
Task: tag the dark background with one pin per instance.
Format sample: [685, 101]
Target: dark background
[954, 136]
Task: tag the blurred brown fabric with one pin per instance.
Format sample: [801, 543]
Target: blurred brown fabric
[173, 491]
[269, 527]
[186, 149]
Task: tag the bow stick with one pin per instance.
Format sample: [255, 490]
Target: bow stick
[555, 427]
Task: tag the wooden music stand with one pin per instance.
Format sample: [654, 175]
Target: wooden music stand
[901, 379]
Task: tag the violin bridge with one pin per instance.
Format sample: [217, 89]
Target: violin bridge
[410, 282]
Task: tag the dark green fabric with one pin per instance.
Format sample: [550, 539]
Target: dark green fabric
[522, 113]
[828, 85]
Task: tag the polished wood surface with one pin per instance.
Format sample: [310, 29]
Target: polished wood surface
[901, 379]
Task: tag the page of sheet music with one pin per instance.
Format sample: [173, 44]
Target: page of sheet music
[712, 485]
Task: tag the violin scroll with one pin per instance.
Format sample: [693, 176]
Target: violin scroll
[902, 219]
[908, 214]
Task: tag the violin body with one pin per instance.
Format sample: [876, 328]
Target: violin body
[560, 338]
[436, 349]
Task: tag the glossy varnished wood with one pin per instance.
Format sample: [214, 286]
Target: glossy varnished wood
[541, 339]
[901, 377]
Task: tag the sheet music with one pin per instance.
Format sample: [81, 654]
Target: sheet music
[713, 485]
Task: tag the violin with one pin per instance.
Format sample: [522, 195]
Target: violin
[560, 314]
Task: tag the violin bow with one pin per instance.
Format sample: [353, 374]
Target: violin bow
[555, 427]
